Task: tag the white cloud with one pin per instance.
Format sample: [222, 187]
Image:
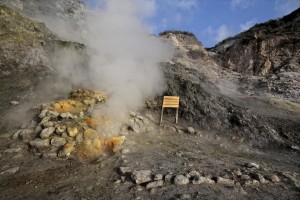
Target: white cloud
[241, 3]
[146, 7]
[284, 7]
[247, 25]
[222, 33]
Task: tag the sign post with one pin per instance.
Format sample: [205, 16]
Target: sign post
[170, 102]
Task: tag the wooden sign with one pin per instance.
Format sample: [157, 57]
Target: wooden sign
[170, 102]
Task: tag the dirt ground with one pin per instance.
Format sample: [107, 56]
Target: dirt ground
[165, 151]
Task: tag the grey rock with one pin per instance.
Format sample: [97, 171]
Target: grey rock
[251, 182]
[158, 177]
[191, 130]
[181, 180]
[27, 134]
[47, 132]
[13, 150]
[60, 129]
[273, 178]
[16, 134]
[125, 151]
[38, 129]
[14, 103]
[125, 170]
[202, 180]
[185, 196]
[194, 173]
[245, 177]
[58, 141]
[49, 124]
[260, 178]
[43, 114]
[52, 114]
[132, 114]
[252, 165]
[13, 170]
[225, 181]
[141, 176]
[45, 119]
[155, 184]
[40, 143]
[50, 155]
[169, 177]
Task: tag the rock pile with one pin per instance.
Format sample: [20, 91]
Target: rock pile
[63, 128]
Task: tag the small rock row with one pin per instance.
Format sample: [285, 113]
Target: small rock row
[248, 176]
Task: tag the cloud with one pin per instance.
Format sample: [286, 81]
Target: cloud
[222, 33]
[247, 25]
[186, 4]
[284, 7]
[243, 4]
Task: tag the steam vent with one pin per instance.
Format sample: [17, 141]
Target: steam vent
[66, 128]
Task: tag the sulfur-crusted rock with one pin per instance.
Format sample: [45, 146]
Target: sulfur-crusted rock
[58, 141]
[47, 132]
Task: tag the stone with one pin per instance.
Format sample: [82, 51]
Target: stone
[13, 150]
[245, 177]
[38, 129]
[273, 178]
[202, 180]
[14, 103]
[49, 124]
[43, 114]
[132, 114]
[50, 155]
[72, 131]
[60, 129]
[125, 170]
[27, 134]
[125, 151]
[252, 165]
[47, 132]
[45, 119]
[225, 181]
[58, 141]
[191, 130]
[154, 184]
[158, 177]
[181, 180]
[52, 114]
[260, 178]
[184, 196]
[66, 151]
[180, 131]
[16, 134]
[40, 143]
[169, 177]
[79, 138]
[13, 170]
[141, 176]
[194, 173]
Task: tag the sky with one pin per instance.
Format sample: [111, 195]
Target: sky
[210, 20]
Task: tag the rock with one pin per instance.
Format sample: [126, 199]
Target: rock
[14, 103]
[173, 129]
[13, 150]
[16, 134]
[191, 130]
[142, 176]
[155, 184]
[45, 119]
[181, 180]
[38, 129]
[40, 143]
[260, 178]
[72, 131]
[67, 115]
[125, 170]
[32, 124]
[158, 177]
[47, 132]
[49, 124]
[132, 114]
[245, 177]
[58, 141]
[252, 165]
[52, 114]
[184, 196]
[273, 178]
[13, 170]
[125, 151]
[202, 180]
[79, 138]
[251, 183]
[50, 155]
[225, 181]
[194, 173]
[66, 151]
[43, 114]
[169, 177]
[180, 131]
[60, 129]
[27, 134]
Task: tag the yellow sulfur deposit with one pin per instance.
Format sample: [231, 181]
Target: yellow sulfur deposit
[71, 106]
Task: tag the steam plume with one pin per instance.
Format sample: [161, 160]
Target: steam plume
[124, 57]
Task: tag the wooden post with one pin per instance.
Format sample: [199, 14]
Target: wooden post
[170, 102]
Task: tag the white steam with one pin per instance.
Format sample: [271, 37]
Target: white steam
[124, 57]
